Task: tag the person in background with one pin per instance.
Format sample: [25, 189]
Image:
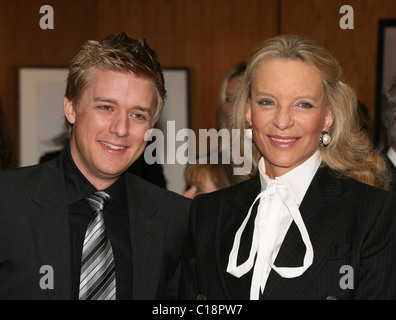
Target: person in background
[227, 93]
[228, 89]
[48, 248]
[205, 178]
[365, 120]
[388, 107]
[7, 156]
[316, 220]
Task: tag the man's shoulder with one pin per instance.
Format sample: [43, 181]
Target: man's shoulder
[20, 172]
[19, 181]
[155, 191]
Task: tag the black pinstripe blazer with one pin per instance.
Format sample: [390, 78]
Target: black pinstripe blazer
[34, 232]
[350, 224]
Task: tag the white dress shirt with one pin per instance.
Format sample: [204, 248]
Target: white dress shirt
[280, 199]
[392, 155]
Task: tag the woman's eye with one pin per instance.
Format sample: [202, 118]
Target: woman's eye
[229, 100]
[266, 102]
[306, 105]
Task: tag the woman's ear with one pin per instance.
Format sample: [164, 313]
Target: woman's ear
[68, 109]
[248, 113]
[329, 118]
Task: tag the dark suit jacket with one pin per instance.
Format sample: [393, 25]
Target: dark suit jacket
[34, 232]
[349, 223]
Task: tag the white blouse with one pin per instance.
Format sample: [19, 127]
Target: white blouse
[280, 199]
[392, 155]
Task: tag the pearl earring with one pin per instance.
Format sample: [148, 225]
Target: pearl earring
[325, 139]
[249, 133]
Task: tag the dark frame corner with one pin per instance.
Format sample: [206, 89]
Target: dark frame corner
[383, 25]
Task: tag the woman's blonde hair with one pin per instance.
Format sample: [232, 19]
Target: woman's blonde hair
[350, 153]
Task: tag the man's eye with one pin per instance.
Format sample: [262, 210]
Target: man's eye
[105, 107]
[139, 116]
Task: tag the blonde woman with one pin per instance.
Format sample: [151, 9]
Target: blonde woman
[315, 221]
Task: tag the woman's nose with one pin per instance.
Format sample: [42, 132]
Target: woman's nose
[283, 118]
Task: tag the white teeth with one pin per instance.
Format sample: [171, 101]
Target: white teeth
[113, 147]
[283, 140]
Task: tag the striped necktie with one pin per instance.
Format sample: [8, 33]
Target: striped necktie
[97, 280]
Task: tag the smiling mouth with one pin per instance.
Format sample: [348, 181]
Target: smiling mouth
[112, 146]
[283, 140]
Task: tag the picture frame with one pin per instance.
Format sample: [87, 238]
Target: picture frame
[41, 117]
[386, 71]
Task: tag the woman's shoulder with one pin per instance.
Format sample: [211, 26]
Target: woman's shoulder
[367, 196]
[233, 194]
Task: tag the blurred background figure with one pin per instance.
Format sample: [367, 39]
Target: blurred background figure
[365, 120]
[7, 157]
[388, 107]
[227, 94]
[228, 90]
[206, 177]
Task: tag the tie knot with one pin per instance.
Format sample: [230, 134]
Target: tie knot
[98, 200]
[276, 186]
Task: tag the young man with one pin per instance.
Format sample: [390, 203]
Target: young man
[115, 92]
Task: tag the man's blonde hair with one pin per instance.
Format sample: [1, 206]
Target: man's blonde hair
[120, 53]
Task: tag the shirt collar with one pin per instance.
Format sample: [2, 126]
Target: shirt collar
[297, 180]
[78, 187]
[392, 155]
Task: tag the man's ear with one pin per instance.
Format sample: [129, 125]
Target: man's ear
[68, 109]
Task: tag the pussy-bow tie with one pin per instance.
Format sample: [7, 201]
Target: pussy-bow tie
[276, 211]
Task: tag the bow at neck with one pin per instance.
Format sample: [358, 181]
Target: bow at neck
[277, 209]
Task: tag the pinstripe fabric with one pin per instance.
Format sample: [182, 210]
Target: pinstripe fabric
[350, 224]
[97, 280]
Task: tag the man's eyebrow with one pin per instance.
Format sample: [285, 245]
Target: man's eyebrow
[139, 107]
[102, 99]
[113, 101]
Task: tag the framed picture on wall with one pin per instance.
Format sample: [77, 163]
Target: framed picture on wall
[41, 92]
[41, 118]
[386, 70]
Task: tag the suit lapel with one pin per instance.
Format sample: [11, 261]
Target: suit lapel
[323, 210]
[50, 222]
[232, 212]
[147, 239]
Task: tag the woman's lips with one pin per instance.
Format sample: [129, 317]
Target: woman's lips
[283, 142]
